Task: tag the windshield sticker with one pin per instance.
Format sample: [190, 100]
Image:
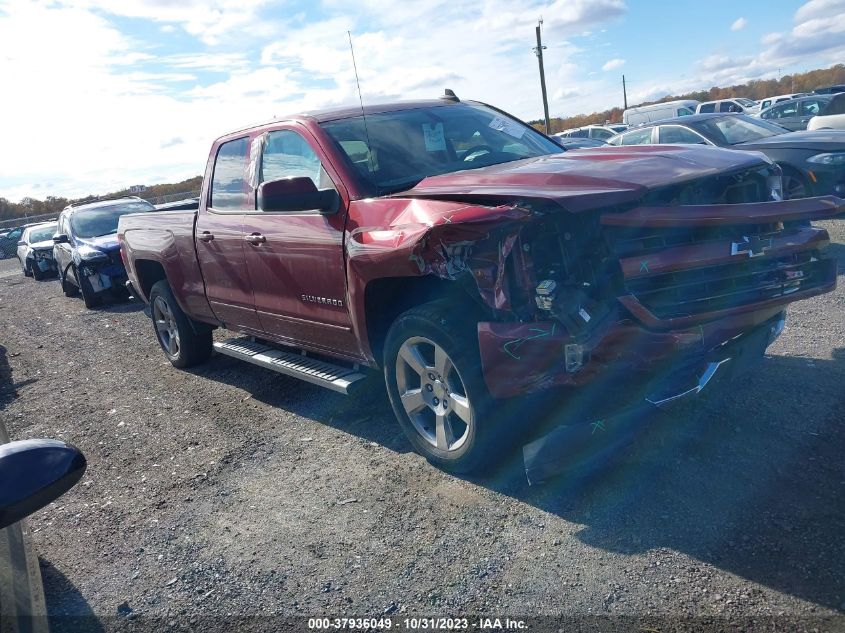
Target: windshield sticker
[435, 141]
[511, 128]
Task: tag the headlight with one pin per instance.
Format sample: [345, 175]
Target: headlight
[88, 254]
[831, 158]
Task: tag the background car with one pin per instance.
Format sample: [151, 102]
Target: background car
[9, 242]
[829, 90]
[657, 111]
[33, 473]
[578, 143]
[768, 102]
[35, 250]
[599, 132]
[794, 115]
[833, 118]
[813, 163]
[86, 249]
[740, 105]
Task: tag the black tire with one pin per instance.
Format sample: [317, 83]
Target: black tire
[68, 288]
[91, 299]
[192, 345]
[484, 436]
[36, 272]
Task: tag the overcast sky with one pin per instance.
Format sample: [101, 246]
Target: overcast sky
[98, 95]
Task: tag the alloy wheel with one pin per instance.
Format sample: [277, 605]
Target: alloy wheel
[433, 394]
[167, 330]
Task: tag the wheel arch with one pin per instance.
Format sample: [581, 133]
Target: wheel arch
[386, 298]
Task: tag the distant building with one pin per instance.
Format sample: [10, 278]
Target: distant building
[137, 188]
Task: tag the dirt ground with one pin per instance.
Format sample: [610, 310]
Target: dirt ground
[230, 490]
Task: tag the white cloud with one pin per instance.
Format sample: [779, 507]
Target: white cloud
[613, 64]
[125, 111]
[739, 24]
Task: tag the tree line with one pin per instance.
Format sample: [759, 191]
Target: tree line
[756, 90]
[53, 204]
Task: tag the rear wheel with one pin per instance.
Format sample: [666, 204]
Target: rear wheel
[183, 345]
[433, 377]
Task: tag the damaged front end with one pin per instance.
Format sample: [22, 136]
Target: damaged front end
[637, 304]
[102, 271]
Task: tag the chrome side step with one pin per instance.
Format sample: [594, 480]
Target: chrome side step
[318, 372]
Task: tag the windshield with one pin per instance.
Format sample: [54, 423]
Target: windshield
[103, 220]
[734, 129]
[42, 234]
[406, 146]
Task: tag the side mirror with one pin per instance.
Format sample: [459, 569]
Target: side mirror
[33, 473]
[61, 238]
[296, 194]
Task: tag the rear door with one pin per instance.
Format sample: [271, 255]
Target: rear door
[219, 237]
[785, 114]
[296, 264]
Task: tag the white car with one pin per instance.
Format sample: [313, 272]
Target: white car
[833, 117]
[600, 132]
[740, 105]
[35, 250]
[768, 102]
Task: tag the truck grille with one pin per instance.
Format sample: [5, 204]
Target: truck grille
[713, 288]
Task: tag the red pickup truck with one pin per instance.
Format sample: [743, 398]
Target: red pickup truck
[472, 261]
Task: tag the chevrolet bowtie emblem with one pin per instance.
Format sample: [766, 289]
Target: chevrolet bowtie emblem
[753, 245]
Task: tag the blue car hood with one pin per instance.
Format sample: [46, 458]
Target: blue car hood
[106, 243]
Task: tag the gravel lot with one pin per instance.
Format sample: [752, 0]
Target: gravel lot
[232, 490]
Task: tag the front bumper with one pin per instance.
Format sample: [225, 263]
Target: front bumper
[102, 278]
[43, 260]
[586, 439]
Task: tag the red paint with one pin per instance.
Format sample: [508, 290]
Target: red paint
[306, 284]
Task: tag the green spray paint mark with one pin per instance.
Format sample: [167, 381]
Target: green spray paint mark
[598, 424]
[517, 342]
[644, 266]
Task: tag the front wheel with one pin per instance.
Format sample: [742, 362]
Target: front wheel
[433, 377]
[25, 268]
[183, 345]
[91, 299]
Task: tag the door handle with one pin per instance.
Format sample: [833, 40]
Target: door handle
[255, 239]
[205, 236]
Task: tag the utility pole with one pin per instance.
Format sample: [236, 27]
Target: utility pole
[539, 52]
[624, 93]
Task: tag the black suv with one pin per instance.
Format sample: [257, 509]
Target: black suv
[86, 249]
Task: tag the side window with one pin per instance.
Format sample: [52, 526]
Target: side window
[640, 137]
[811, 107]
[765, 104]
[288, 155]
[684, 112]
[228, 184]
[786, 110]
[677, 135]
[727, 106]
[600, 134]
[582, 133]
[707, 107]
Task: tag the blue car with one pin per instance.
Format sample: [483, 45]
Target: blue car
[86, 249]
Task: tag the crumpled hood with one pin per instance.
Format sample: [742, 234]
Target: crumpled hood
[812, 140]
[105, 243]
[588, 178]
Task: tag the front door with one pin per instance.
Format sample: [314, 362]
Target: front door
[219, 238]
[295, 259]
